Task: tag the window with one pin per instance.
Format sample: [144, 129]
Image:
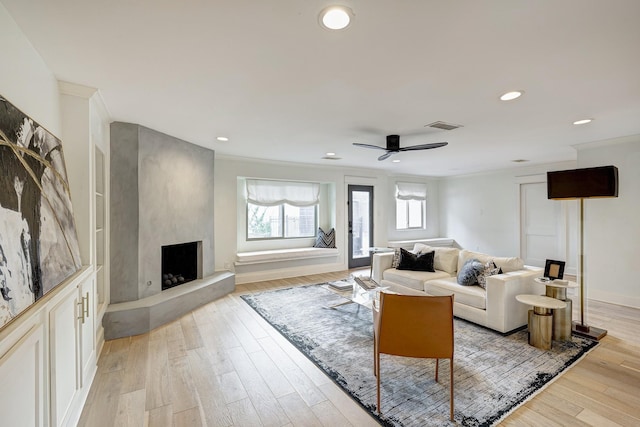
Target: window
[281, 221]
[411, 202]
[278, 209]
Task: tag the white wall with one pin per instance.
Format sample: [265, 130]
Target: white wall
[481, 211]
[25, 80]
[612, 226]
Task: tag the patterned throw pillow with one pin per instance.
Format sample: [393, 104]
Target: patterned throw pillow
[325, 240]
[468, 274]
[396, 258]
[490, 269]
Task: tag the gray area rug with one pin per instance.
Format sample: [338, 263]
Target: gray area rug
[493, 373]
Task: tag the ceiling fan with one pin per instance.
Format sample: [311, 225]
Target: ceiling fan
[393, 146]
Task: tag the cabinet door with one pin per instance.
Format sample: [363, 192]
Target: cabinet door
[64, 356]
[86, 294]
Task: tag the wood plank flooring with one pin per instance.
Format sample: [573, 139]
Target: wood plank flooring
[223, 365]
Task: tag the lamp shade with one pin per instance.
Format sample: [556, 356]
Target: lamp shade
[583, 183]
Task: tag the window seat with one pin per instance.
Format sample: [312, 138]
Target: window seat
[259, 257]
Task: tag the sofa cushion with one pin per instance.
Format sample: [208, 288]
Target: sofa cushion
[412, 279]
[445, 259]
[473, 296]
[416, 262]
[507, 264]
[468, 274]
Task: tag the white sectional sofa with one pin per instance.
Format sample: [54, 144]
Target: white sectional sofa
[494, 307]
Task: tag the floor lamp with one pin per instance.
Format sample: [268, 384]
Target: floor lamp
[583, 184]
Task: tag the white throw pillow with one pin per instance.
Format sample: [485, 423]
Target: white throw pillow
[446, 259]
[421, 248]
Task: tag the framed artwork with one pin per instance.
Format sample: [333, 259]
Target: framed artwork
[554, 269]
[38, 241]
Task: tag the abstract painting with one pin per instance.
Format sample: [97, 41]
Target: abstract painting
[38, 241]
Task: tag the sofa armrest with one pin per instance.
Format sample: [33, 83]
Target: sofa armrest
[380, 263]
[504, 312]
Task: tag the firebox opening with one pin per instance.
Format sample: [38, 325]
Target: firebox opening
[179, 264]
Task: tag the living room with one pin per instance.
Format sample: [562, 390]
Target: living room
[478, 207]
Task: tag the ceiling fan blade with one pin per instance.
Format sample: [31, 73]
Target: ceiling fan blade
[357, 144]
[424, 146]
[386, 155]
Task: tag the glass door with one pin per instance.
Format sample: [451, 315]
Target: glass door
[360, 223]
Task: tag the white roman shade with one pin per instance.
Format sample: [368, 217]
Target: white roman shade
[411, 191]
[272, 193]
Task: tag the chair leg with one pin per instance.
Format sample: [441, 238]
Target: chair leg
[375, 352]
[437, 360]
[451, 391]
[378, 380]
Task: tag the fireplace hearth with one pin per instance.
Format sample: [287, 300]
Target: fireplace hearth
[180, 264]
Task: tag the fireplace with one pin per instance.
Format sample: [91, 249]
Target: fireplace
[181, 263]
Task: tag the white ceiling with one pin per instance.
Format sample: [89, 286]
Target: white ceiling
[265, 74]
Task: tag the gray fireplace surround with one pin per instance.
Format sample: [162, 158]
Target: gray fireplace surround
[161, 194]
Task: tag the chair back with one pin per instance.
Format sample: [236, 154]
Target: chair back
[415, 326]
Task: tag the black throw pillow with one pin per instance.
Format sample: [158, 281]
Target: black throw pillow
[411, 261]
[407, 260]
[424, 262]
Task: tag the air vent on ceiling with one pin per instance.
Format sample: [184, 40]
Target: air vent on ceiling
[443, 125]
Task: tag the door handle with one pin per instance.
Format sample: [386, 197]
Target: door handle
[350, 227]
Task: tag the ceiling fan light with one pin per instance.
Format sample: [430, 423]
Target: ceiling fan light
[335, 17]
[582, 121]
[510, 96]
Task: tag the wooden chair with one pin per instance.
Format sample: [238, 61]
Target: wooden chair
[413, 326]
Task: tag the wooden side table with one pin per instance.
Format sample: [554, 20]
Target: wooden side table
[561, 317]
[541, 318]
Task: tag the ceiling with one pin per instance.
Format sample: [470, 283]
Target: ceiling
[266, 75]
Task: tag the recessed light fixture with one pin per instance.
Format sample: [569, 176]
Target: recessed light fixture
[335, 17]
[395, 161]
[582, 122]
[222, 138]
[510, 96]
[330, 154]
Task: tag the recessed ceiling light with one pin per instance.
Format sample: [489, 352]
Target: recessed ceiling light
[330, 154]
[335, 17]
[582, 122]
[395, 161]
[222, 138]
[510, 96]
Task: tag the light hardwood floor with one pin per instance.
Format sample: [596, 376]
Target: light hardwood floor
[223, 365]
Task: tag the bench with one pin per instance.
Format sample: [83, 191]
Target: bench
[276, 255]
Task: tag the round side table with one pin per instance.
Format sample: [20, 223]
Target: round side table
[561, 317]
[541, 318]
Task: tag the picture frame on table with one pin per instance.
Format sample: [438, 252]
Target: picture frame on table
[554, 269]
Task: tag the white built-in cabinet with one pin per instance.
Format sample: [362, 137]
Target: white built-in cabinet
[48, 355]
[72, 350]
